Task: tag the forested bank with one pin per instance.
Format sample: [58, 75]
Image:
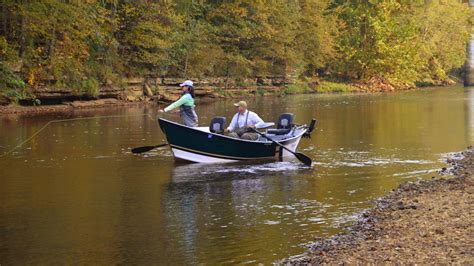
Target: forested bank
[86, 46]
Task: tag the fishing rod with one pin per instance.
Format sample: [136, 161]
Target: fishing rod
[67, 120]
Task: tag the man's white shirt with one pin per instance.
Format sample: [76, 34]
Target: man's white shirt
[253, 120]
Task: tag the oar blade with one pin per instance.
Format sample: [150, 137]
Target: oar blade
[143, 149]
[304, 159]
[147, 148]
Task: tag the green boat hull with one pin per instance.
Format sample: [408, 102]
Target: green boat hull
[197, 145]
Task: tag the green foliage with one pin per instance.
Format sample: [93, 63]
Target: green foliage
[442, 32]
[242, 82]
[402, 42]
[260, 91]
[90, 87]
[83, 45]
[7, 53]
[297, 88]
[56, 37]
[13, 86]
[316, 36]
[146, 33]
[375, 41]
[328, 86]
[8, 79]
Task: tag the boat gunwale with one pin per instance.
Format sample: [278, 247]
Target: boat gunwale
[304, 130]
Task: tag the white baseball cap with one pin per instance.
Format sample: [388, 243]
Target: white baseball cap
[186, 83]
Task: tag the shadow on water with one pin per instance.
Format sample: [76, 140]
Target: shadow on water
[206, 200]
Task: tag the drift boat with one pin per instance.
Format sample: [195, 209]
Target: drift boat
[210, 145]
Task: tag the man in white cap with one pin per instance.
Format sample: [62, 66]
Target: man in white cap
[242, 121]
[186, 105]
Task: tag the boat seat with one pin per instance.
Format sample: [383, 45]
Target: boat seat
[284, 125]
[217, 125]
[279, 131]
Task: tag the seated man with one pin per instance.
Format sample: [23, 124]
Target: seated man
[242, 121]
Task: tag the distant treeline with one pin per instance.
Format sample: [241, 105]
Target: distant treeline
[84, 44]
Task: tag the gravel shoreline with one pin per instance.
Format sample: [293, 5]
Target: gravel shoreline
[430, 221]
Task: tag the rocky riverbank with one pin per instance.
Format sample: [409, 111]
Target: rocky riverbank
[145, 91]
[65, 107]
[141, 91]
[426, 222]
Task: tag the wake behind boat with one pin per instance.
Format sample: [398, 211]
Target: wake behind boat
[210, 145]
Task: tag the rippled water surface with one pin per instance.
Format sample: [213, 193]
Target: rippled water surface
[75, 194]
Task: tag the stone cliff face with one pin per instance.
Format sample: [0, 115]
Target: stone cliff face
[167, 89]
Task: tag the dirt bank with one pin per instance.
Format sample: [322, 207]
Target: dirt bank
[425, 222]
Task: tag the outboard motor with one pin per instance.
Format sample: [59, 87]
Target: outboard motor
[284, 125]
[311, 127]
[217, 125]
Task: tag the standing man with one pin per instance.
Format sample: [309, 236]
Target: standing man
[242, 121]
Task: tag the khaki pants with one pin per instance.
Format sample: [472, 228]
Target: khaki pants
[246, 136]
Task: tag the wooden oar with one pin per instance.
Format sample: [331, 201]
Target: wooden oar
[147, 148]
[303, 158]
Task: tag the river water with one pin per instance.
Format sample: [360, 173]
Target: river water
[75, 194]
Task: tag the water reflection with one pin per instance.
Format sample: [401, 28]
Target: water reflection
[75, 193]
[231, 198]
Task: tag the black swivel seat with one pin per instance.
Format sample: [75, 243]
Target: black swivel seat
[217, 125]
[285, 122]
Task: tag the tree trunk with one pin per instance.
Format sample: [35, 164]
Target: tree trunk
[186, 66]
[22, 36]
[53, 42]
[4, 19]
[226, 78]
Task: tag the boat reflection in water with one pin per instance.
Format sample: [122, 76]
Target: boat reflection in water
[225, 204]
